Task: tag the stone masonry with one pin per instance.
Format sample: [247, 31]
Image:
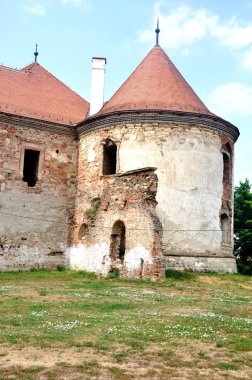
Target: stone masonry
[34, 220]
[129, 199]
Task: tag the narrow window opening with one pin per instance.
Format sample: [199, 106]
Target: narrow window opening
[122, 243]
[141, 268]
[224, 228]
[117, 245]
[109, 157]
[226, 167]
[31, 164]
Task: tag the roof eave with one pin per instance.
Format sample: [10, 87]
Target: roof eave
[212, 121]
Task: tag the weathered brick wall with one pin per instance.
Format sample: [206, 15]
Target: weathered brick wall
[190, 190]
[34, 220]
[130, 199]
[37, 223]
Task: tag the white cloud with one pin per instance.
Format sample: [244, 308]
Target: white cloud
[184, 25]
[180, 28]
[231, 99]
[233, 35]
[36, 9]
[247, 59]
[84, 4]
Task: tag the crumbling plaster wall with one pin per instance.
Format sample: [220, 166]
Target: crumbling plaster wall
[189, 165]
[34, 220]
[130, 199]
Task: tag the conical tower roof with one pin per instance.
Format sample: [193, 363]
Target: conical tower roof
[156, 84]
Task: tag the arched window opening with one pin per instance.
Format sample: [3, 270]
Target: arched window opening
[226, 155]
[30, 168]
[224, 228]
[117, 242]
[109, 157]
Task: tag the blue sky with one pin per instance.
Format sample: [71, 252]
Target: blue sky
[210, 42]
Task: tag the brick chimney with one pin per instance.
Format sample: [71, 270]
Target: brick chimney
[97, 84]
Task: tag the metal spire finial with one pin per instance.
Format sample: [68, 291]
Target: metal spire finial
[36, 53]
[157, 32]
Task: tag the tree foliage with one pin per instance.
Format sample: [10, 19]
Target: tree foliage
[243, 227]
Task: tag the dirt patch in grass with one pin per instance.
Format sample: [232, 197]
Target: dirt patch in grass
[31, 356]
[226, 279]
[191, 361]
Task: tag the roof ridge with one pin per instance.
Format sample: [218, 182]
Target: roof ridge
[9, 68]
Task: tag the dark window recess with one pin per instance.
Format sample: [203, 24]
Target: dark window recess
[117, 242]
[31, 163]
[227, 164]
[226, 167]
[109, 157]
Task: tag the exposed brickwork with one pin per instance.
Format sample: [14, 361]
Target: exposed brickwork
[34, 220]
[51, 224]
[129, 198]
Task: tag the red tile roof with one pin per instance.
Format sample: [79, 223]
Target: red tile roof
[34, 92]
[155, 84]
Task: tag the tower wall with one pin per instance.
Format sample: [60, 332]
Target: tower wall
[191, 193]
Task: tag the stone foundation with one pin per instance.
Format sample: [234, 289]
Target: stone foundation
[201, 264]
[26, 258]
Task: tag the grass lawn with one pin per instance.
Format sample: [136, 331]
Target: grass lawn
[72, 325]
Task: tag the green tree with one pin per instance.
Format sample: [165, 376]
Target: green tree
[243, 227]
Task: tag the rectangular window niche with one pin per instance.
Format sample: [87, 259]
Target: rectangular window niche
[30, 164]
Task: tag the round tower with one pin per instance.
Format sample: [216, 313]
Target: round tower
[155, 179]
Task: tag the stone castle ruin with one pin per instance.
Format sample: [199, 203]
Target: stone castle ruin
[140, 184]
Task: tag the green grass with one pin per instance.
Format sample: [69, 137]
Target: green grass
[177, 275]
[190, 321]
